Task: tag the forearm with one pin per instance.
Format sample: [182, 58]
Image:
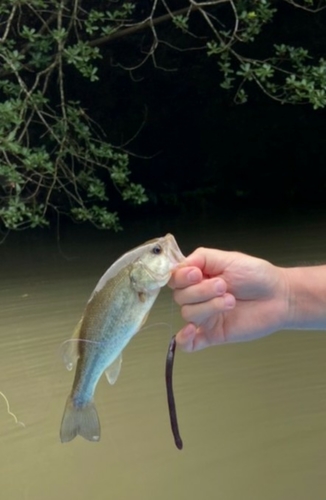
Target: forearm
[306, 297]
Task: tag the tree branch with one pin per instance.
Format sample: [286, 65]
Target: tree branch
[151, 22]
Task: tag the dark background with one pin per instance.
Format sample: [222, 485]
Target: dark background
[195, 149]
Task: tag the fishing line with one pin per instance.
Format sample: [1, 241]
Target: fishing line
[68, 349]
[10, 412]
[157, 323]
[69, 358]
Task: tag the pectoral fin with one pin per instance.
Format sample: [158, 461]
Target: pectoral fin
[113, 371]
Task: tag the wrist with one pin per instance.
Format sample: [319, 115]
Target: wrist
[305, 297]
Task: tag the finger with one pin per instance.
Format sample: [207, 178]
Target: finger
[205, 339]
[185, 337]
[185, 276]
[199, 313]
[212, 262]
[200, 292]
[191, 339]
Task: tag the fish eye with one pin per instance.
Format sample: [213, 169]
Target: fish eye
[157, 250]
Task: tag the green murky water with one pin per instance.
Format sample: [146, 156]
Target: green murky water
[252, 416]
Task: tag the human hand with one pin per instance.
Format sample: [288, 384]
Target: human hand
[228, 297]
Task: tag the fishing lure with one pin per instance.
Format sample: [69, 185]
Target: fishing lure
[169, 390]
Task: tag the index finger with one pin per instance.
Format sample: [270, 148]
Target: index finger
[185, 276]
[210, 261]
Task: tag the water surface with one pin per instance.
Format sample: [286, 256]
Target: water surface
[252, 416]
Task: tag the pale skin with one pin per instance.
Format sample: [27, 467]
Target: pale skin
[233, 297]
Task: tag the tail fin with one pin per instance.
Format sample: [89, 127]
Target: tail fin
[83, 421]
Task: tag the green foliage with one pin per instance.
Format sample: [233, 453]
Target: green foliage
[53, 156]
[289, 75]
[181, 22]
[82, 56]
[252, 17]
[51, 159]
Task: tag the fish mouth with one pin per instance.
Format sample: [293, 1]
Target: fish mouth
[174, 256]
[174, 252]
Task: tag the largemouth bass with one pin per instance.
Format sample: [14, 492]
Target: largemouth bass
[116, 310]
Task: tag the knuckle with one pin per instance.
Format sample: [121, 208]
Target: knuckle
[201, 250]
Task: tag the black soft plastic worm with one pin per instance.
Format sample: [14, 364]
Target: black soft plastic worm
[169, 391]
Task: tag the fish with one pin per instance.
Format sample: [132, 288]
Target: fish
[116, 310]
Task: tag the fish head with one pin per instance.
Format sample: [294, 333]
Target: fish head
[154, 267]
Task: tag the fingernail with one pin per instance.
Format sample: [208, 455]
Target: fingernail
[229, 301]
[193, 276]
